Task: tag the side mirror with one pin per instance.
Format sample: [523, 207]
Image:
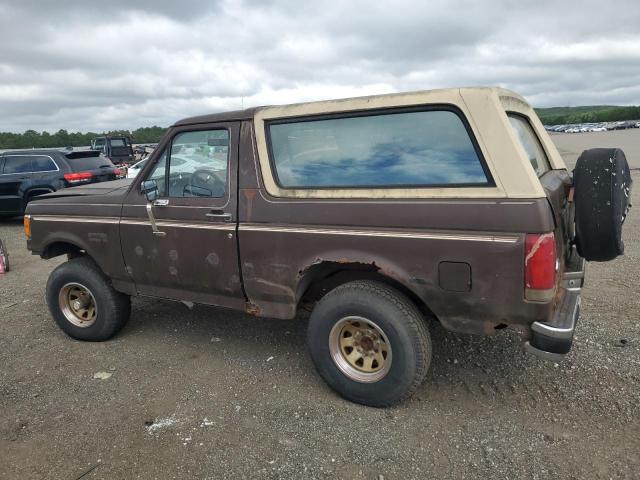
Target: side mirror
[150, 189]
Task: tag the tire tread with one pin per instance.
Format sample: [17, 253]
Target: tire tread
[414, 320]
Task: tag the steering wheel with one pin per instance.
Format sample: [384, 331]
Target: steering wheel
[205, 183]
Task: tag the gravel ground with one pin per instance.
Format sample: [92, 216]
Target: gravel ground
[211, 393]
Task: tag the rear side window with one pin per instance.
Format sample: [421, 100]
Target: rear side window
[92, 162]
[530, 142]
[418, 148]
[41, 163]
[17, 164]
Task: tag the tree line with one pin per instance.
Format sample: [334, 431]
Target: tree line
[587, 114]
[63, 138]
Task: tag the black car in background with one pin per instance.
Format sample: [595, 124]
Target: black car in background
[28, 173]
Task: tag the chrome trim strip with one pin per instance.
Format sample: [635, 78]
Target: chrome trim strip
[380, 233]
[59, 218]
[557, 332]
[276, 229]
[117, 220]
[160, 223]
[84, 204]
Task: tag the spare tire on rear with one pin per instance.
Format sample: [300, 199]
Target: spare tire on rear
[602, 189]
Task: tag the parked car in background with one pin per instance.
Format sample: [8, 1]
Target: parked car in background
[134, 169]
[116, 149]
[26, 174]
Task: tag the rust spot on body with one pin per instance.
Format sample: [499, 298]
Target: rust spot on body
[252, 309]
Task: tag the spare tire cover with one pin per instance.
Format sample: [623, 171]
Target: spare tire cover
[602, 184]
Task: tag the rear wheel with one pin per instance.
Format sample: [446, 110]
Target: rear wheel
[83, 303]
[369, 343]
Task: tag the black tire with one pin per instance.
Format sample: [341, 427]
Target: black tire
[113, 308]
[401, 322]
[602, 183]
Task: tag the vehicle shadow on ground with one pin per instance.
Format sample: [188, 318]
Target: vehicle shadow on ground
[10, 221]
[456, 357]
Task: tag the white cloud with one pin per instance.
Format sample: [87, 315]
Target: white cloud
[85, 66]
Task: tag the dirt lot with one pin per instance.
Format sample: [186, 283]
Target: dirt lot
[209, 393]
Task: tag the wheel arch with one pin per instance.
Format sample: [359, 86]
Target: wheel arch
[321, 277]
[72, 247]
[57, 248]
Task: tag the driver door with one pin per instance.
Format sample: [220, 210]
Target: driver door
[192, 252]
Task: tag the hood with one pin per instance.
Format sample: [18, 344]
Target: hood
[103, 199]
[115, 187]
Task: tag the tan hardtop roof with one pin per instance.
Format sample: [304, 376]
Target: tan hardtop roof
[249, 113]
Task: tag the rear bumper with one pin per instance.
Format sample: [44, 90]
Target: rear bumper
[552, 340]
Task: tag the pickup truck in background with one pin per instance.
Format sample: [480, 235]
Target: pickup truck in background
[116, 149]
[382, 214]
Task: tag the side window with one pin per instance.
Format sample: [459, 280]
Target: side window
[420, 148]
[530, 142]
[198, 164]
[100, 144]
[158, 174]
[41, 163]
[17, 164]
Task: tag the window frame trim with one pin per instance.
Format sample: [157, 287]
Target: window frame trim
[438, 107]
[168, 147]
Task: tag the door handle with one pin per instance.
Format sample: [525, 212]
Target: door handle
[219, 215]
[161, 202]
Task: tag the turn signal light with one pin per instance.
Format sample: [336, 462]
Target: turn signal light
[78, 177]
[27, 226]
[540, 266]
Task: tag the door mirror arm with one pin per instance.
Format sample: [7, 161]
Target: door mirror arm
[152, 219]
[150, 190]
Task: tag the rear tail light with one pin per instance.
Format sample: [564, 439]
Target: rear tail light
[79, 177]
[540, 266]
[116, 172]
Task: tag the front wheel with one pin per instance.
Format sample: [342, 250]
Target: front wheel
[83, 302]
[369, 343]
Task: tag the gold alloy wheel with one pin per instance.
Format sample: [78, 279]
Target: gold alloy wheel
[78, 305]
[360, 349]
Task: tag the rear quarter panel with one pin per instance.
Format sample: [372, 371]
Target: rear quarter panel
[406, 240]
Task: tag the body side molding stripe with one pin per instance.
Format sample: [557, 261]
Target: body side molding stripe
[380, 233]
[125, 221]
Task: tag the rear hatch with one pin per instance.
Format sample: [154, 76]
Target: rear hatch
[120, 150]
[557, 186]
[89, 167]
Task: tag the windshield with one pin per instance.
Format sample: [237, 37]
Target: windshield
[118, 142]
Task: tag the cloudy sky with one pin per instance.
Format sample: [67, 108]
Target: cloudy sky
[85, 65]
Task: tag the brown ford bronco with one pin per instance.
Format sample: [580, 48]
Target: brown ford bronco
[383, 213]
